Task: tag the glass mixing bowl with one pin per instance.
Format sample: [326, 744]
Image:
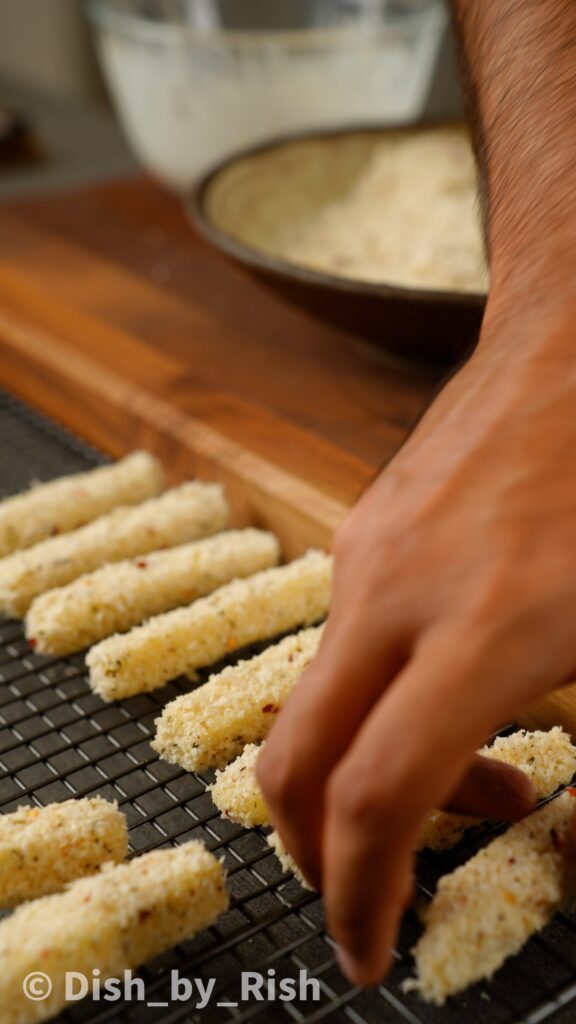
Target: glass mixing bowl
[195, 81]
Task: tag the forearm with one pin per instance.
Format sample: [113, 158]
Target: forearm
[521, 69]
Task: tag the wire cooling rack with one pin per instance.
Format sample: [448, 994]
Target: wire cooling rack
[58, 740]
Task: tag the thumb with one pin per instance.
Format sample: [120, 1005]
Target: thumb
[494, 790]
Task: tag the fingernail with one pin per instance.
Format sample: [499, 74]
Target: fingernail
[349, 966]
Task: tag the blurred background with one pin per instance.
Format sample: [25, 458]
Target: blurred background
[56, 56]
[50, 75]
[50, 82]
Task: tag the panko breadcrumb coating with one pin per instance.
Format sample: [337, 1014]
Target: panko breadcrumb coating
[235, 794]
[113, 921]
[409, 218]
[548, 758]
[42, 849]
[486, 910]
[183, 514]
[71, 501]
[240, 613]
[124, 594]
[286, 860]
[209, 726]
[238, 796]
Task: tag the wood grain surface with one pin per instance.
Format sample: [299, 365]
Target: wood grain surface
[120, 323]
[111, 285]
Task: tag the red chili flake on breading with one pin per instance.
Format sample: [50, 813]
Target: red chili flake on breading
[270, 709]
[571, 790]
[45, 952]
[54, 531]
[87, 898]
[144, 915]
[32, 643]
[141, 564]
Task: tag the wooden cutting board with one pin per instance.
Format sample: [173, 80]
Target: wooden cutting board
[119, 322]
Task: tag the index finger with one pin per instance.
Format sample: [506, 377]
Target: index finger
[408, 758]
[315, 728]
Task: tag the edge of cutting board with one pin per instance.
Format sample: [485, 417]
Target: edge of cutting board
[118, 415]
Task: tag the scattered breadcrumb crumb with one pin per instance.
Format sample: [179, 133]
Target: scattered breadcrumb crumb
[71, 501]
[183, 514]
[210, 726]
[121, 595]
[113, 922]
[238, 614]
[44, 848]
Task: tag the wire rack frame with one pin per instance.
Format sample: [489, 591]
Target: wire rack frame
[58, 740]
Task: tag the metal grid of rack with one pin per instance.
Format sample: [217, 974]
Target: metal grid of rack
[58, 740]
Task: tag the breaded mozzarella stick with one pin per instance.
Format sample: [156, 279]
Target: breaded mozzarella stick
[121, 595]
[71, 501]
[42, 849]
[183, 514]
[238, 797]
[548, 758]
[210, 726]
[486, 910]
[113, 922]
[240, 613]
[236, 792]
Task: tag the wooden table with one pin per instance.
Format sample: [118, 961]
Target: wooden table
[119, 322]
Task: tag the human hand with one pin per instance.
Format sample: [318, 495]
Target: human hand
[454, 603]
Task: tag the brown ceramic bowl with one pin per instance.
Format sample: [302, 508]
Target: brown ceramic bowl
[244, 206]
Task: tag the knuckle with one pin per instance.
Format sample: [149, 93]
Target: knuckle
[375, 798]
[359, 798]
[506, 584]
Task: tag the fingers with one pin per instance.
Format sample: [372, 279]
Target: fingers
[404, 761]
[349, 773]
[310, 736]
[364, 955]
[493, 790]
